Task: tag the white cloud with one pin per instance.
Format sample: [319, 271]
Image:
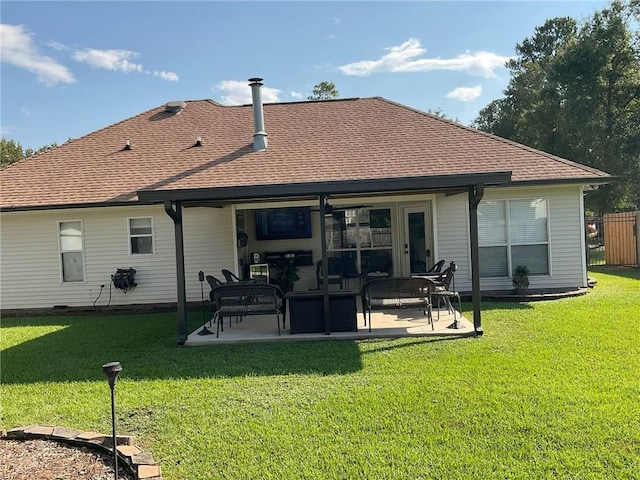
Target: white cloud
[168, 76]
[117, 60]
[465, 94]
[17, 48]
[403, 58]
[239, 93]
[296, 95]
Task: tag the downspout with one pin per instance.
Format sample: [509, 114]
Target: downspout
[325, 266]
[176, 216]
[476, 193]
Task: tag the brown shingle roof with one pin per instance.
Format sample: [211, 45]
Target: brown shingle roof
[348, 139]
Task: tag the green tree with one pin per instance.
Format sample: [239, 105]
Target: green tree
[324, 91]
[10, 151]
[575, 92]
[13, 152]
[438, 112]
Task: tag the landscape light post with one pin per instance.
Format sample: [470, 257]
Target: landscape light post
[112, 370]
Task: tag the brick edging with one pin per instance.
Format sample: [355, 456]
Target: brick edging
[139, 463]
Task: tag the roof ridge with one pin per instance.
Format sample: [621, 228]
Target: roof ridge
[328, 100]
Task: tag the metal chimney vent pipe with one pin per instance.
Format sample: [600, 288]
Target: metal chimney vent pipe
[259, 135]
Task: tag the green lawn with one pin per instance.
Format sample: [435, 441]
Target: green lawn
[552, 390]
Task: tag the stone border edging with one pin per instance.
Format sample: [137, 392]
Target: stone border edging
[140, 464]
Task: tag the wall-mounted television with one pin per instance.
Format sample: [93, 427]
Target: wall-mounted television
[282, 223]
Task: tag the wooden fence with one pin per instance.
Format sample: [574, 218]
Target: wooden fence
[613, 239]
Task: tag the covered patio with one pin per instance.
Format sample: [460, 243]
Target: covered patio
[471, 184]
[391, 324]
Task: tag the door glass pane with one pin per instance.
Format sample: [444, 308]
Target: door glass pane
[349, 263]
[417, 242]
[351, 228]
[534, 257]
[364, 229]
[493, 262]
[380, 222]
[367, 257]
[335, 231]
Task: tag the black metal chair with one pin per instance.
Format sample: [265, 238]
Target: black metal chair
[229, 276]
[213, 283]
[335, 272]
[445, 291]
[437, 267]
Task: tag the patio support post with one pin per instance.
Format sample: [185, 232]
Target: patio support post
[325, 266]
[176, 216]
[475, 195]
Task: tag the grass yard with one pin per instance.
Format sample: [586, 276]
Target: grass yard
[552, 390]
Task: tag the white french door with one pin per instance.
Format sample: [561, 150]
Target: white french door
[417, 252]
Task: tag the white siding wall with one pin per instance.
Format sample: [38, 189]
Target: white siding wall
[452, 219]
[208, 246]
[565, 235]
[30, 276]
[30, 259]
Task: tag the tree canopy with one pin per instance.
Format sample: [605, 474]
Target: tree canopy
[324, 91]
[12, 151]
[575, 92]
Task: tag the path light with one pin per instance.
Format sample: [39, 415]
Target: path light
[112, 370]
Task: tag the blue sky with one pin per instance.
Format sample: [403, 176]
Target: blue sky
[70, 68]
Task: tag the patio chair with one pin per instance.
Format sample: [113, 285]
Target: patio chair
[444, 291]
[437, 267]
[230, 276]
[335, 272]
[213, 283]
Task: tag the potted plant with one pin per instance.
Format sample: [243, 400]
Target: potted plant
[288, 275]
[520, 279]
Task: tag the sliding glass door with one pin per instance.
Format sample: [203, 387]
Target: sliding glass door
[355, 235]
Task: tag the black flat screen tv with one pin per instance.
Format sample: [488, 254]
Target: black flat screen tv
[283, 223]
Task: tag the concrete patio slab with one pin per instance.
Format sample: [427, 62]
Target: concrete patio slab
[404, 323]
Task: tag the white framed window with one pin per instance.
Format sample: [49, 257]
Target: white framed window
[512, 233]
[70, 234]
[141, 236]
